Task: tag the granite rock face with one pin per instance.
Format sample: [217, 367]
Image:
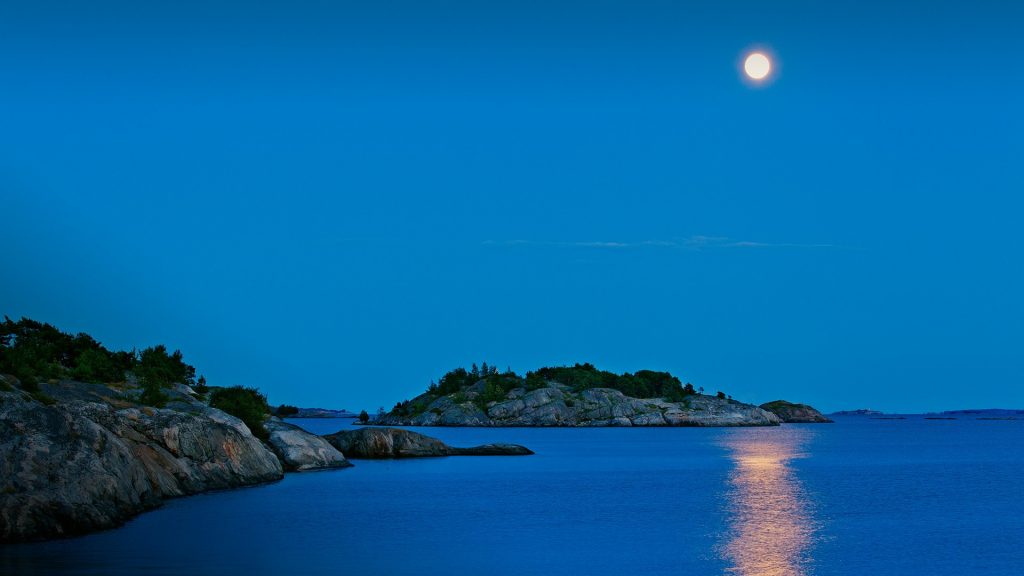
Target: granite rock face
[558, 405]
[299, 450]
[77, 466]
[373, 443]
[791, 413]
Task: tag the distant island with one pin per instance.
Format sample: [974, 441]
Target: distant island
[287, 411]
[976, 414]
[579, 395]
[986, 413]
[858, 412]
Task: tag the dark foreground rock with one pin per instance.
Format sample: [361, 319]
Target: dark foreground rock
[791, 413]
[78, 466]
[558, 405]
[376, 443]
[299, 450]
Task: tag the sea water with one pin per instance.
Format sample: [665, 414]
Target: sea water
[861, 496]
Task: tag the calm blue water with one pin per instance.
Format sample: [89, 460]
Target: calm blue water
[858, 497]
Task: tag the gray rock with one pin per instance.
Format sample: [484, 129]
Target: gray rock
[791, 413]
[491, 450]
[79, 466]
[509, 409]
[465, 414]
[426, 419]
[301, 451]
[542, 397]
[649, 419]
[375, 443]
[557, 405]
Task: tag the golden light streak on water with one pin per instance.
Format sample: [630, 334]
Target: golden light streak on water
[770, 516]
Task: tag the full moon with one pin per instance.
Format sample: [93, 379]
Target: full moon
[757, 66]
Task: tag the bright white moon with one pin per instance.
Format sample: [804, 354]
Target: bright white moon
[757, 66]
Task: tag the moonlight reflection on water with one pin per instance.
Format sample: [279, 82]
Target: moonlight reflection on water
[771, 522]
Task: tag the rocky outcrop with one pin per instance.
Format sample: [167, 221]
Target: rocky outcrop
[558, 405]
[791, 413]
[376, 443]
[78, 466]
[299, 450]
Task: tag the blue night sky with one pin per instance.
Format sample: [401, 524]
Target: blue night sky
[339, 202]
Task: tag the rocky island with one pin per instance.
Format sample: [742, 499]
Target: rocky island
[791, 413]
[579, 395]
[396, 443]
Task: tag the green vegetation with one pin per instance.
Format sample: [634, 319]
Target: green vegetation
[156, 366]
[363, 416]
[32, 351]
[284, 411]
[495, 386]
[246, 404]
[484, 384]
[201, 388]
[43, 398]
[152, 395]
[642, 384]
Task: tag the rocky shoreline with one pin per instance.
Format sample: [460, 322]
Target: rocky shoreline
[78, 466]
[78, 457]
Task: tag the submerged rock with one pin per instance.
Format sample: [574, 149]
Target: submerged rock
[791, 413]
[301, 451]
[376, 442]
[500, 449]
[79, 466]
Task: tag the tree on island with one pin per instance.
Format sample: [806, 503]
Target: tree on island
[364, 417]
[152, 395]
[246, 404]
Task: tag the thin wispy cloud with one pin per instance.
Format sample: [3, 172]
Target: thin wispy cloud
[689, 243]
